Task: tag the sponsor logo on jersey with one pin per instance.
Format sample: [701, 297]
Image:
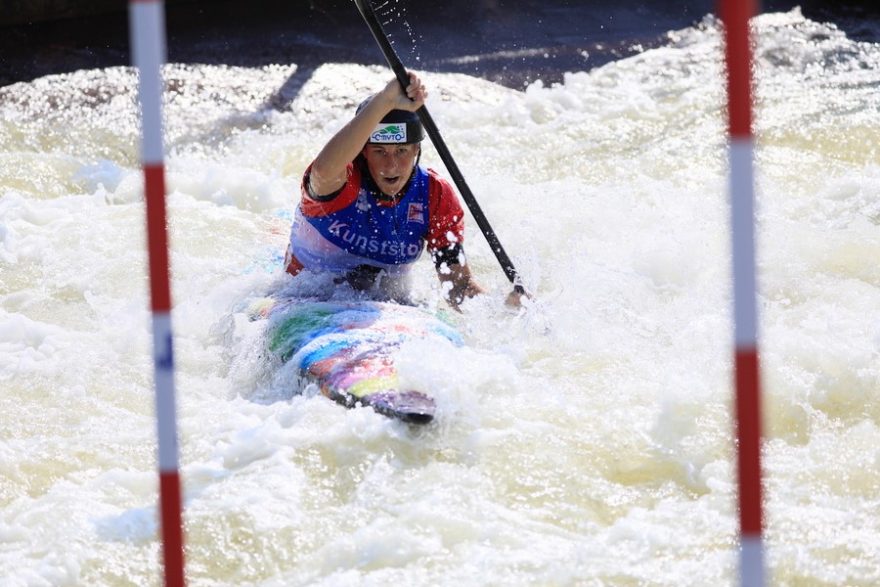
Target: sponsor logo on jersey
[360, 244]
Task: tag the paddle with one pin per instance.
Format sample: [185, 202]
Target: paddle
[394, 62]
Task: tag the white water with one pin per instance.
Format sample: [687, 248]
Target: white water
[583, 442]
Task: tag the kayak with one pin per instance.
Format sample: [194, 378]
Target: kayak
[348, 349]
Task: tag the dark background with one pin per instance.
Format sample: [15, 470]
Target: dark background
[507, 41]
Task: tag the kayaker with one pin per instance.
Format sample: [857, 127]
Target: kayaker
[368, 209]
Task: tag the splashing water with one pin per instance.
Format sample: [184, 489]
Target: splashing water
[586, 440]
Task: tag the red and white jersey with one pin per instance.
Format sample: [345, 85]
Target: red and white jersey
[355, 228]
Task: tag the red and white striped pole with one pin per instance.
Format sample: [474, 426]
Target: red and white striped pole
[147, 23]
[735, 15]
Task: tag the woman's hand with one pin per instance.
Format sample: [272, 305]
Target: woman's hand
[514, 298]
[412, 99]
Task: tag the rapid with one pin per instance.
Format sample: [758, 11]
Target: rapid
[584, 440]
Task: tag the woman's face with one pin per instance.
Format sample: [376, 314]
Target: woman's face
[391, 165]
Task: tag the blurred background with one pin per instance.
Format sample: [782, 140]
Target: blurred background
[506, 41]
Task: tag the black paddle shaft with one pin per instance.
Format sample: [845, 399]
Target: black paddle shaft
[394, 62]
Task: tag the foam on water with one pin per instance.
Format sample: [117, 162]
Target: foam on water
[584, 440]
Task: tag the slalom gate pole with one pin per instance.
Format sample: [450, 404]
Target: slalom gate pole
[397, 67]
[147, 26]
[735, 15]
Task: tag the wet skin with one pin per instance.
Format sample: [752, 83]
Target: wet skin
[391, 165]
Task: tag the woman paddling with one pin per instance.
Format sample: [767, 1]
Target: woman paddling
[368, 209]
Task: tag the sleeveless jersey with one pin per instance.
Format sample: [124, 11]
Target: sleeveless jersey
[355, 228]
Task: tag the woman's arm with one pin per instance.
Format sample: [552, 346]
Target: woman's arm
[461, 280]
[328, 173]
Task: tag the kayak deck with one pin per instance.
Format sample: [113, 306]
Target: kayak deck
[348, 350]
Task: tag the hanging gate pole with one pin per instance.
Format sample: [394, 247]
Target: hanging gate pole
[147, 23]
[735, 15]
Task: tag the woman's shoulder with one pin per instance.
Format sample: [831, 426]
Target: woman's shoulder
[313, 204]
[436, 182]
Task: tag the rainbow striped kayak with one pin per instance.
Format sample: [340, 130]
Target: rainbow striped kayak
[347, 349]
